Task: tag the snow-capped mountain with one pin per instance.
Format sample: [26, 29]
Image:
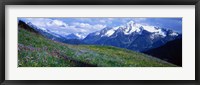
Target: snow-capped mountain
[132, 36]
[132, 27]
[68, 38]
[47, 33]
[78, 35]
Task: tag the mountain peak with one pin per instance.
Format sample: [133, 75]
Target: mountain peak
[131, 27]
[24, 25]
[78, 35]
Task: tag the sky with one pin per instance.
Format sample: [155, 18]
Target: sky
[66, 26]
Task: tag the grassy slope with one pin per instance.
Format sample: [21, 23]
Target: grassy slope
[36, 51]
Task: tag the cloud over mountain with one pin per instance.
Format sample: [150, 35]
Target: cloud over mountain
[64, 28]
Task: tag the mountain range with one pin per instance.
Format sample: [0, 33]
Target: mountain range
[131, 36]
[36, 50]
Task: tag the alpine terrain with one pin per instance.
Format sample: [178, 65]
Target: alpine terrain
[38, 47]
[132, 36]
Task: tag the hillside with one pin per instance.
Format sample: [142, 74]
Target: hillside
[171, 52]
[34, 50]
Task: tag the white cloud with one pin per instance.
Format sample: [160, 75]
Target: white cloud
[60, 27]
[88, 27]
[85, 25]
[56, 23]
[40, 22]
[46, 22]
[99, 26]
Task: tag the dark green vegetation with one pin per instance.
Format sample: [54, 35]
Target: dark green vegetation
[35, 50]
[170, 52]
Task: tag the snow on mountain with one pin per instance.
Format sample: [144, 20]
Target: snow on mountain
[43, 31]
[155, 30]
[78, 35]
[129, 28]
[150, 28]
[174, 34]
[37, 28]
[32, 25]
[132, 36]
[97, 33]
[132, 27]
[111, 31]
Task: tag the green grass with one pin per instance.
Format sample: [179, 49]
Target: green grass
[36, 51]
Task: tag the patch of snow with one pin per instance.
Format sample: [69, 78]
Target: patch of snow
[132, 27]
[150, 28]
[80, 36]
[154, 30]
[97, 33]
[174, 34]
[152, 36]
[44, 29]
[158, 33]
[111, 31]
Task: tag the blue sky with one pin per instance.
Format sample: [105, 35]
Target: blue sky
[88, 25]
